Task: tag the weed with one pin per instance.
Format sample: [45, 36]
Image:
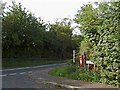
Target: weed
[75, 72]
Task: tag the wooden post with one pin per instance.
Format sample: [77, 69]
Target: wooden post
[94, 67]
[73, 56]
[88, 67]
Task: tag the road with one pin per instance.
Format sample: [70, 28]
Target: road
[18, 77]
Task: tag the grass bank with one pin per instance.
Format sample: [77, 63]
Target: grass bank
[73, 71]
[24, 62]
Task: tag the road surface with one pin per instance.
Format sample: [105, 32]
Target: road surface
[18, 77]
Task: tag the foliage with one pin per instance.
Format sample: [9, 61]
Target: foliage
[75, 72]
[64, 44]
[108, 49]
[87, 18]
[25, 62]
[77, 41]
[24, 35]
[101, 26]
[21, 32]
[86, 47]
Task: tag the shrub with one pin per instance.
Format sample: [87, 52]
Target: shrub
[73, 71]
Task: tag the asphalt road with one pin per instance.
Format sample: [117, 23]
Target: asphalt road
[18, 77]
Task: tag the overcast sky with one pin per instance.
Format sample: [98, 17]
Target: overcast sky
[51, 10]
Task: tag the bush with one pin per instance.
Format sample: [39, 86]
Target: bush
[73, 71]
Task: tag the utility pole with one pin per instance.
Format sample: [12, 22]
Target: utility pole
[73, 56]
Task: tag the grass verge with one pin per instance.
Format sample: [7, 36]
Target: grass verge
[23, 62]
[73, 71]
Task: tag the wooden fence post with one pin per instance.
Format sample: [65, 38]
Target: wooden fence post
[73, 56]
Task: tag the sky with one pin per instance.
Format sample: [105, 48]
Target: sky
[51, 10]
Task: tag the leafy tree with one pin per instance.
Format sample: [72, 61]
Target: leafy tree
[87, 17]
[86, 47]
[24, 35]
[20, 28]
[100, 26]
[63, 31]
[107, 51]
[77, 39]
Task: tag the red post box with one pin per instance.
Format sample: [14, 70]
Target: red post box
[81, 60]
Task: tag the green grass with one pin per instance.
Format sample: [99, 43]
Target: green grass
[76, 73]
[24, 62]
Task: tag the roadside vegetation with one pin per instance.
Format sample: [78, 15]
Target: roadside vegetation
[74, 71]
[26, 62]
[25, 38]
[100, 28]
[24, 35]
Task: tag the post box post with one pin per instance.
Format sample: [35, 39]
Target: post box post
[88, 67]
[94, 67]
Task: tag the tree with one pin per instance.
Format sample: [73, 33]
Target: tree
[100, 27]
[87, 17]
[107, 51]
[24, 35]
[63, 31]
[21, 30]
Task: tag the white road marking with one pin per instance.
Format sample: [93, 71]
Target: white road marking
[14, 69]
[30, 72]
[3, 75]
[30, 67]
[13, 74]
[22, 72]
[41, 78]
